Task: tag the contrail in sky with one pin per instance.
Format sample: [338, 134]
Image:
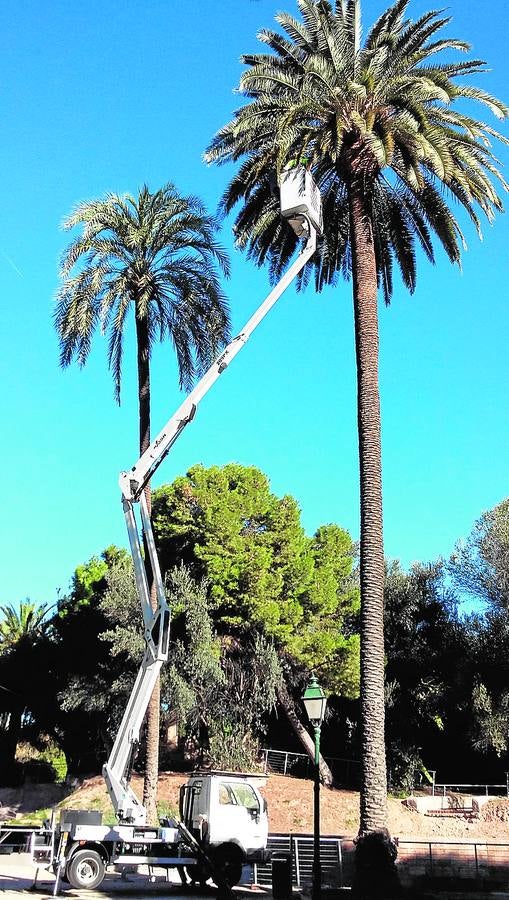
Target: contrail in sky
[11, 263]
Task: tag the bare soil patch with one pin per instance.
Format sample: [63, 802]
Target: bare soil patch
[290, 802]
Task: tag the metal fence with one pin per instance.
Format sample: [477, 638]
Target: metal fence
[282, 762]
[336, 856]
[458, 863]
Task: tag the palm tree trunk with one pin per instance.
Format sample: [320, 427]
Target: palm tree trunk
[373, 812]
[10, 742]
[303, 735]
[153, 710]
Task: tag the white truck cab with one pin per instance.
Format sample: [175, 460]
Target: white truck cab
[224, 807]
[227, 814]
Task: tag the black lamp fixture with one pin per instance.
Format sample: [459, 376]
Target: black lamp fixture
[315, 702]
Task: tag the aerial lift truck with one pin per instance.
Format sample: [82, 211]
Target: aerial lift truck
[223, 820]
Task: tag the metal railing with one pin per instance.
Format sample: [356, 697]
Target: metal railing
[283, 762]
[489, 790]
[336, 857]
[455, 862]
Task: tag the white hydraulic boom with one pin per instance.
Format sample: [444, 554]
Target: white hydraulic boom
[301, 205]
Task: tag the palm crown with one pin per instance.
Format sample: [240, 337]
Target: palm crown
[17, 625]
[379, 115]
[156, 253]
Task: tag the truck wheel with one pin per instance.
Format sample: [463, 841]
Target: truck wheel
[227, 866]
[86, 869]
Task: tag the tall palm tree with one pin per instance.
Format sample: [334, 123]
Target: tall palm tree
[155, 255]
[376, 121]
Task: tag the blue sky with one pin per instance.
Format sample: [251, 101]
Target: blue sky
[105, 96]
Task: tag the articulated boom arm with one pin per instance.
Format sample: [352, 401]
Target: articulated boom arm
[116, 772]
[132, 483]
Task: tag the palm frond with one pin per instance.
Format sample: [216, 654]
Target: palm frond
[387, 24]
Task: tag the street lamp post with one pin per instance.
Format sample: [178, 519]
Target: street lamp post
[315, 702]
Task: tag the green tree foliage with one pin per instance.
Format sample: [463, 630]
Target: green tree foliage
[485, 688]
[78, 693]
[253, 674]
[424, 643]
[86, 579]
[42, 760]
[490, 727]
[265, 575]
[447, 676]
[447, 681]
[279, 598]
[71, 698]
[80, 668]
[195, 675]
[480, 565]
[220, 690]
[121, 607]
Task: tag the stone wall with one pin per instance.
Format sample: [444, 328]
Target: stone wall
[461, 864]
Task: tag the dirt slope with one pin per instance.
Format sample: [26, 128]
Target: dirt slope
[290, 802]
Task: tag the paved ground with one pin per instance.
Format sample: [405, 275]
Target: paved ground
[17, 876]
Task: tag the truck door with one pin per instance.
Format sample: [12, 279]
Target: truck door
[193, 797]
[237, 815]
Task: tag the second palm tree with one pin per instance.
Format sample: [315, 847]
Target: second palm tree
[154, 257]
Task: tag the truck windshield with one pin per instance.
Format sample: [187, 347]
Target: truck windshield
[238, 795]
